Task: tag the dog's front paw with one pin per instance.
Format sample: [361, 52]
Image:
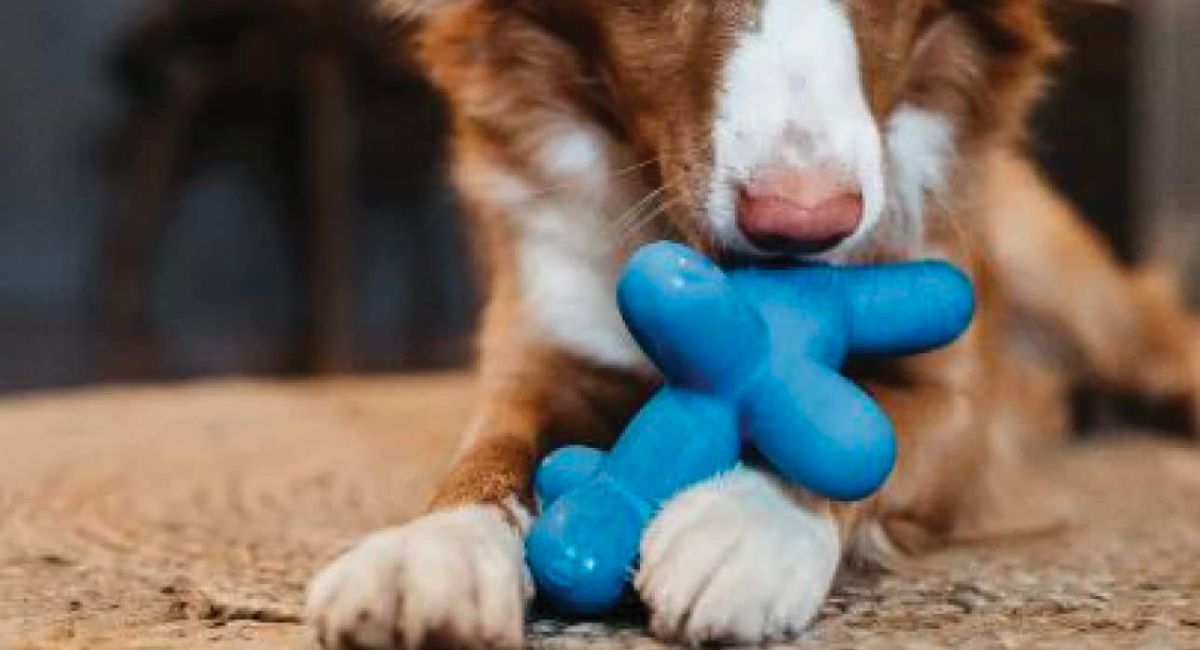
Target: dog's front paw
[454, 579]
[736, 560]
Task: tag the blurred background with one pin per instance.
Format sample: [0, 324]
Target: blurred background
[211, 187]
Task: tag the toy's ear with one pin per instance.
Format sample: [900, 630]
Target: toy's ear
[686, 316]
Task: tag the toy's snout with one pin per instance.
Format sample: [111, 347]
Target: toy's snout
[583, 546]
[595, 506]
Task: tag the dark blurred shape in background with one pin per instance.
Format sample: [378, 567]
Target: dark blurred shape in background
[195, 187]
[221, 186]
[316, 102]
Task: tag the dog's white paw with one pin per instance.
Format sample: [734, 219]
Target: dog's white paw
[449, 579]
[736, 560]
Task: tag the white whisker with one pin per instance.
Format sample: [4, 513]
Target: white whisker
[634, 211]
[545, 190]
[637, 225]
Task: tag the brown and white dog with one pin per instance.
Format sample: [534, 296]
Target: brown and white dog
[843, 130]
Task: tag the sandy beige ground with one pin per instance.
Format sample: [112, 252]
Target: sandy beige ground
[190, 517]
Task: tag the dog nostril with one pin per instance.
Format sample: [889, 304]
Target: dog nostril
[798, 213]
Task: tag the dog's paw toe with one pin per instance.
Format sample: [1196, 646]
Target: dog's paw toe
[453, 579]
[736, 560]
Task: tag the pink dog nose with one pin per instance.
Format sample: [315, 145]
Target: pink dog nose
[798, 212]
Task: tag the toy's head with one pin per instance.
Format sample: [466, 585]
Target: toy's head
[770, 341]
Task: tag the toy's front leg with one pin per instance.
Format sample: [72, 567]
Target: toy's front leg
[582, 549]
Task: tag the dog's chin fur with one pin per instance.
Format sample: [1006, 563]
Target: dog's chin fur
[583, 128]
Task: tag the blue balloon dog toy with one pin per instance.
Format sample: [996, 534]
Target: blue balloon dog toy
[749, 354]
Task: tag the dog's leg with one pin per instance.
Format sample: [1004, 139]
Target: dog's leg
[746, 558]
[456, 577]
[741, 558]
[955, 479]
[961, 474]
[1128, 328]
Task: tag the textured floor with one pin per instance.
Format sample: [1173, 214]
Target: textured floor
[190, 517]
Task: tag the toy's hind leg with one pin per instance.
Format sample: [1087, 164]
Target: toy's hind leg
[1127, 329]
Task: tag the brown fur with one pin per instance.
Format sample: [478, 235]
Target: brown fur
[644, 71]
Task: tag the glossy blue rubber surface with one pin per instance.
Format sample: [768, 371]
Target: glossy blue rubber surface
[748, 354]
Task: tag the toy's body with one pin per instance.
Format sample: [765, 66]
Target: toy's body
[750, 354]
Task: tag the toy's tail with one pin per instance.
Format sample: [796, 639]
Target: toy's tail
[899, 309]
